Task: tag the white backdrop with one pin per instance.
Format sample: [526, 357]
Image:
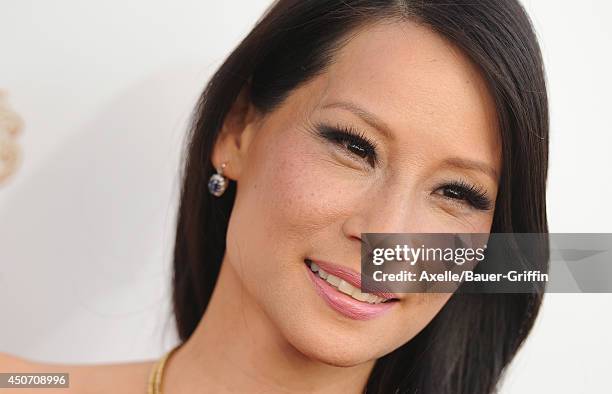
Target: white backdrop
[106, 89]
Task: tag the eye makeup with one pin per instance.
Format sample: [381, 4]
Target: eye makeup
[361, 147]
[464, 192]
[355, 142]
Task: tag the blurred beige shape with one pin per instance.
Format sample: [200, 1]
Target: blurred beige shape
[10, 126]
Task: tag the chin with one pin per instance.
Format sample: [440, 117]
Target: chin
[338, 356]
[319, 342]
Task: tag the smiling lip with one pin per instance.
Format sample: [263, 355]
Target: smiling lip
[344, 303]
[352, 277]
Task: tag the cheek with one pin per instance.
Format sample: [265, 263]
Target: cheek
[417, 310]
[289, 189]
[283, 198]
[447, 223]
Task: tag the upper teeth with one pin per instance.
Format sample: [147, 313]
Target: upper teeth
[346, 287]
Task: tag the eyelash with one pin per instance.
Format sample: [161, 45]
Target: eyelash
[347, 136]
[473, 195]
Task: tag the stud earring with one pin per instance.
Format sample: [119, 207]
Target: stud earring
[217, 182]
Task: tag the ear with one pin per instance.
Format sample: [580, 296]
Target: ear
[235, 136]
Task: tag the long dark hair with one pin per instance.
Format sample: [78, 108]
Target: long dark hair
[466, 347]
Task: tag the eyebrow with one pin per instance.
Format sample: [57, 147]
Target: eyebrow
[365, 115]
[468, 164]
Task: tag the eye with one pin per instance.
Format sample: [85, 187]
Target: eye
[466, 193]
[354, 142]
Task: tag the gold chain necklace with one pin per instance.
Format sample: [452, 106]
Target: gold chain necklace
[157, 373]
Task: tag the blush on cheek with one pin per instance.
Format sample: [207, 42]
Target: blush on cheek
[293, 189]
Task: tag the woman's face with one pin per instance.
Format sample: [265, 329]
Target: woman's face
[427, 123]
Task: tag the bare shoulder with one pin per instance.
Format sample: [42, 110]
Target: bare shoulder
[129, 377]
[9, 362]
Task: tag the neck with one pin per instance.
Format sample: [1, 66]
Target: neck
[236, 348]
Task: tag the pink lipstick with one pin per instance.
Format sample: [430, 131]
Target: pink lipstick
[340, 289]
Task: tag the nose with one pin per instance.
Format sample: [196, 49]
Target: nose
[392, 208]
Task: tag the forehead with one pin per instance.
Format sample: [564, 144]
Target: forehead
[419, 84]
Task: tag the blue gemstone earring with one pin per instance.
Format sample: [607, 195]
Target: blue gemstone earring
[217, 182]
